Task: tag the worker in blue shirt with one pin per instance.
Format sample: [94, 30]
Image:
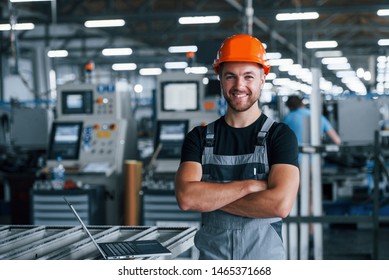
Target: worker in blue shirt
[295, 119]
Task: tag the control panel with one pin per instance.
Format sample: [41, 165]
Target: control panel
[75, 101]
[102, 141]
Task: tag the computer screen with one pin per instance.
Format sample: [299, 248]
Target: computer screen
[77, 102]
[180, 96]
[171, 134]
[65, 140]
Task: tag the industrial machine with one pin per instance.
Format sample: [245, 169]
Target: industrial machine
[93, 134]
[183, 101]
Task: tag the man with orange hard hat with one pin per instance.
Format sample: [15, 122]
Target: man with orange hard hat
[240, 171]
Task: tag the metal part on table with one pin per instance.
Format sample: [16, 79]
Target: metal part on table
[25, 242]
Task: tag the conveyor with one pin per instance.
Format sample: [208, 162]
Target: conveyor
[30, 242]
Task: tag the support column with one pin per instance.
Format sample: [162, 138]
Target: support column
[317, 207]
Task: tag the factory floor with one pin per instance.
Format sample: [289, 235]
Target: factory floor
[339, 243]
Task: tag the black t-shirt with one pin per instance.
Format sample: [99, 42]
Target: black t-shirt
[282, 144]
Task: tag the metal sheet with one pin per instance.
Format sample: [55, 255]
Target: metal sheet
[24, 242]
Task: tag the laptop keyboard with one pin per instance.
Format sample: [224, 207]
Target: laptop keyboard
[122, 248]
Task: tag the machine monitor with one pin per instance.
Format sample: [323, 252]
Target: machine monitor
[171, 134]
[77, 102]
[180, 96]
[65, 140]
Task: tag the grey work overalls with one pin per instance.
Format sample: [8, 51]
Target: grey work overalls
[227, 237]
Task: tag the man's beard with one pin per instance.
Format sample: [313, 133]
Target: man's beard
[241, 107]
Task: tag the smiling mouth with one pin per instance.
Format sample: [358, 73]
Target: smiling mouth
[240, 95]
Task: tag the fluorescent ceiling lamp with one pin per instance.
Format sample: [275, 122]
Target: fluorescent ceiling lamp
[282, 61]
[320, 44]
[176, 65]
[57, 53]
[138, 88]
[320, 54]
[281, 81]
[345, 74]
[297, 16]
[271, 76]
[382, 58]
[267, 86]
[273, 55]
[124, 66]
[17, 26]
[199, 20]
[196, 70]
[383, 42]
[182, 49]
[334, 60]
[349, 80]
[117, 51]
[104, 23]
[383, 12]
[150, 71]
[360, 72]
[345, 66]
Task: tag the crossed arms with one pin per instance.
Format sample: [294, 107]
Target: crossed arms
[249, 198]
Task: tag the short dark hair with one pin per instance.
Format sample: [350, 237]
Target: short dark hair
[294, 102]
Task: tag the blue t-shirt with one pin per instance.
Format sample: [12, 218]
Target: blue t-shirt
[295, 120]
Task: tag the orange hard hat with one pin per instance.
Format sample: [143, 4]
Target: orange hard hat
[242, 47]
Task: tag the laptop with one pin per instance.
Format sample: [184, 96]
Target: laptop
[120, 250]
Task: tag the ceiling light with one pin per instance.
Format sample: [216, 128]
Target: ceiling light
[334, 60]
[271, 76]
[57, 53]
[273, 55]
[337, 66]
[196, 70]
[117, 51]
[360, 72]
[320, 54]
[124, 66]
[176, 65]
[383, 12]
[297, 16]
[367, 76]
[199, 20]
[320, 44]
[104, 23]
[138, 88]
[17, 26]
[281, 81]
[282, 61]
[345, 74]
[150, 71]
[383, 42]
[182, 49]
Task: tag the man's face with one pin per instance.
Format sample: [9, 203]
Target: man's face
[241, 83]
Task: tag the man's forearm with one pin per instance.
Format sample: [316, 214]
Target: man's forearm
[205, 196]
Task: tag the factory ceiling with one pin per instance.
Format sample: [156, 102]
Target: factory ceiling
[151, 26]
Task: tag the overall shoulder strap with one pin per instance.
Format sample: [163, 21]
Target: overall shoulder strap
[263, 133]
